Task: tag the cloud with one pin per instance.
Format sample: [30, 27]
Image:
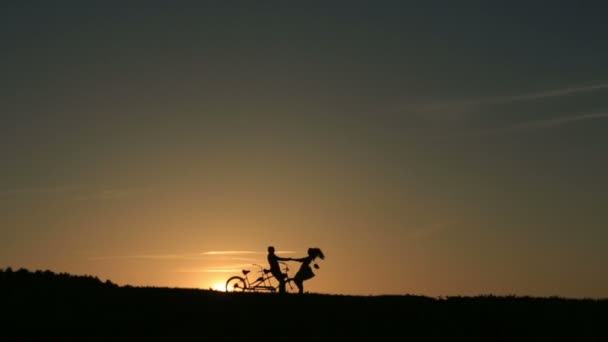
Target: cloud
[241, 252]
[71, 192]
[104, 195]
[458, 110]
[227, 255]
[544, 124]
[229, 252]
[458, 107]
[220, 269]
[187, 256]
[542, 94]
[39, 190]
[560, 121]
[428, 231]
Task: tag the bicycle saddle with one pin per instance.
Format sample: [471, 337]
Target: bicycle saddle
[246, 271]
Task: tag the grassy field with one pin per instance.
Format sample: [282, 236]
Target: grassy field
[49, 306]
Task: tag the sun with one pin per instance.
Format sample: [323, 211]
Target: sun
[219, 286]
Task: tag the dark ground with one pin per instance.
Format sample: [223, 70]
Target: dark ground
[48, 306]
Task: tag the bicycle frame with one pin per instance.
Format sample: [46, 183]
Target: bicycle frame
[261, 284]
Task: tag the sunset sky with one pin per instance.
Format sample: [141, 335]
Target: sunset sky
[432, 148]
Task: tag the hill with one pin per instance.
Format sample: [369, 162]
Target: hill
[48, 306]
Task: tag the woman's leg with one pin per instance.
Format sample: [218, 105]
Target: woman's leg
[300, 285]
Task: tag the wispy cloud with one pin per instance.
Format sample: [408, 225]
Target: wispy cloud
[242, 252]
[229, 252]
[543, 124]
[187, 256]
[235, 255]
[105, 194]
[468, 104]
[69, 192]
[39, 190]
[456, 111]
[239, 258]
[560, 121]
[542, 94]
[220, 269]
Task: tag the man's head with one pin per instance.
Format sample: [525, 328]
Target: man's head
[270, 249]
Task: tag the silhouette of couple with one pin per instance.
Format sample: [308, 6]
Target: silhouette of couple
[304, 273]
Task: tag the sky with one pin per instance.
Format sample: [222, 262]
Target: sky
[430, 148]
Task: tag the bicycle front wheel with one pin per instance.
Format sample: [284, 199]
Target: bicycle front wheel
[236, 284]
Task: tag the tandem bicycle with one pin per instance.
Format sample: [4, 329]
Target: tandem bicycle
[265, 282]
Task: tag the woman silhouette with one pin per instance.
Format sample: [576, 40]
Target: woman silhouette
[305, 272]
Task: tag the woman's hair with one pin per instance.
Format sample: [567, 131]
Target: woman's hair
[316, 253]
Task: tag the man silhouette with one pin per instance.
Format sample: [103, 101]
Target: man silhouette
[275, 269]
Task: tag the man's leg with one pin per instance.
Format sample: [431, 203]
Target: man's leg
[281, 278]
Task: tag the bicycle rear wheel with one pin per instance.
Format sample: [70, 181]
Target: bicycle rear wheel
[236, 284]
